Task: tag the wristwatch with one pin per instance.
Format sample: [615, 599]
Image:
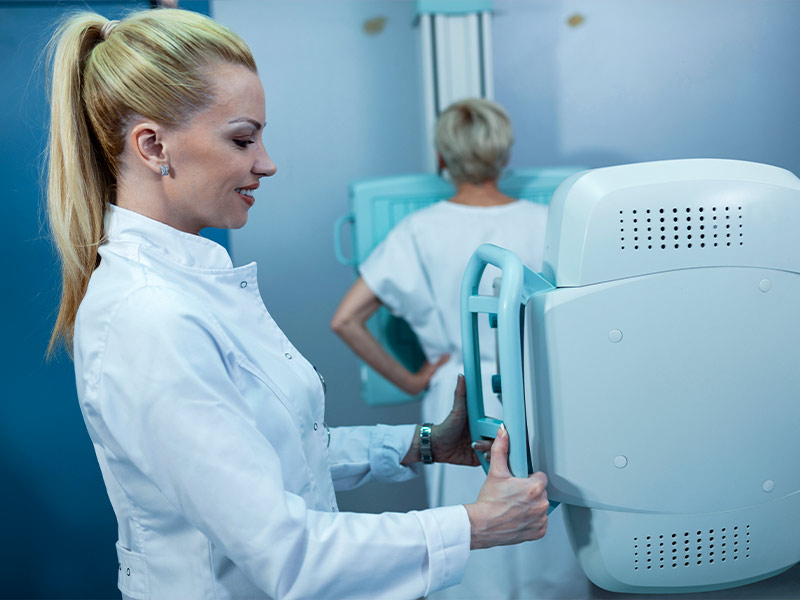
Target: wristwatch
[425, 452]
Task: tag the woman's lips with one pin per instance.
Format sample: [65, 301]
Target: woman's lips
[249, 200]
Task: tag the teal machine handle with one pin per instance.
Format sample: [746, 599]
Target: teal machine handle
[518, 285]
[337, 239]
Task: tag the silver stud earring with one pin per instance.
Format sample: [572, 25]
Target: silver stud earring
[164, 170]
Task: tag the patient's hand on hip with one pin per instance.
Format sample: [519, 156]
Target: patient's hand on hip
[419, 381]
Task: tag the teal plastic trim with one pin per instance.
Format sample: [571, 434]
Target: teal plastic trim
[518, 285]
[337, 239]
[379, 204]
[453, 7]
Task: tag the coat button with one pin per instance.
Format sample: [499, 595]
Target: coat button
[316, 426]
[287, 355]
[243, 284]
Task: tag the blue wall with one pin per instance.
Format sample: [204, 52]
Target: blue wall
[56, 524]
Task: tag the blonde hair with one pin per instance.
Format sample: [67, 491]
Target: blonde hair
[154, 64]
[474, 138]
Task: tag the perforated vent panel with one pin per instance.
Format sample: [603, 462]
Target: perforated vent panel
[688, 228]
[691, 549]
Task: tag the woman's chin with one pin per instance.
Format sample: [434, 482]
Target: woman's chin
[236, 222]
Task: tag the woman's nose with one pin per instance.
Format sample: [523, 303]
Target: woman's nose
[264, 167]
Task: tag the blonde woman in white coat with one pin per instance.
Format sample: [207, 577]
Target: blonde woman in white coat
[208, 424]
[416, 272]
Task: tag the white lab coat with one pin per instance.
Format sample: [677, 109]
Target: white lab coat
[208, 427]
[416, 272]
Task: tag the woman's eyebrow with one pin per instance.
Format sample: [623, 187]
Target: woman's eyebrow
[253, 122]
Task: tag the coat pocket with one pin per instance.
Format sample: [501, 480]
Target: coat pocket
[132, 574]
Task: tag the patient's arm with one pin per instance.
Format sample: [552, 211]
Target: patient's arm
[350, 323]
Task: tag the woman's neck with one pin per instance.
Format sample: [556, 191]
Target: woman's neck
[480, 194]
[143, 192]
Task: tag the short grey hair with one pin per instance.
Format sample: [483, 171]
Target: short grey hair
[474, 138]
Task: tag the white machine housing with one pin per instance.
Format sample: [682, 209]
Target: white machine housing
[661, 379]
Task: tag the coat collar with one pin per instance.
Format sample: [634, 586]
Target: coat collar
[125, 227]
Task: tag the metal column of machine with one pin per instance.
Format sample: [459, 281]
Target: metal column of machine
[456, 58]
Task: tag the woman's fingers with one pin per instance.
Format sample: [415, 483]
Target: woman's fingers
[509, 509]
[482, 445]
[443, 359]
[499, 449]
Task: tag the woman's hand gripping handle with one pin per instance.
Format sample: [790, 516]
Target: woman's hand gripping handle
[509, 509]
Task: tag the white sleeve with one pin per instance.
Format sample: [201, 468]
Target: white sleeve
[167, 402]
[395, 274]
[361, 454]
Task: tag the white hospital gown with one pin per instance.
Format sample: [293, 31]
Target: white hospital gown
[416, 272]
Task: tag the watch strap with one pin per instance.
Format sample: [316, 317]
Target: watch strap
[425, 451]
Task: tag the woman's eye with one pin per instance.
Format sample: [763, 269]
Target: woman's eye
[243, 143]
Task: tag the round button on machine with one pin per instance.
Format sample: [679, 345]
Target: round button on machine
[615, 336]
[620, 461]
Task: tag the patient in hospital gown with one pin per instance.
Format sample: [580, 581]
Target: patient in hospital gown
[416, 272]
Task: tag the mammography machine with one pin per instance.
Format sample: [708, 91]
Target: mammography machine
[651, 370]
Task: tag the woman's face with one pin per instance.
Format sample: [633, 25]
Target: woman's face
[216, 161]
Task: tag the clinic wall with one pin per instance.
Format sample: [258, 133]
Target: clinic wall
[633, 80]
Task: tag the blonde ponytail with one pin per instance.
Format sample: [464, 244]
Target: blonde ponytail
[154, 64]
[77, 182]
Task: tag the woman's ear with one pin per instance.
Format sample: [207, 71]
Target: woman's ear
[442, 164]
[147, 143]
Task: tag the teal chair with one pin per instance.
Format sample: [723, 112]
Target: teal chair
[376, 206]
